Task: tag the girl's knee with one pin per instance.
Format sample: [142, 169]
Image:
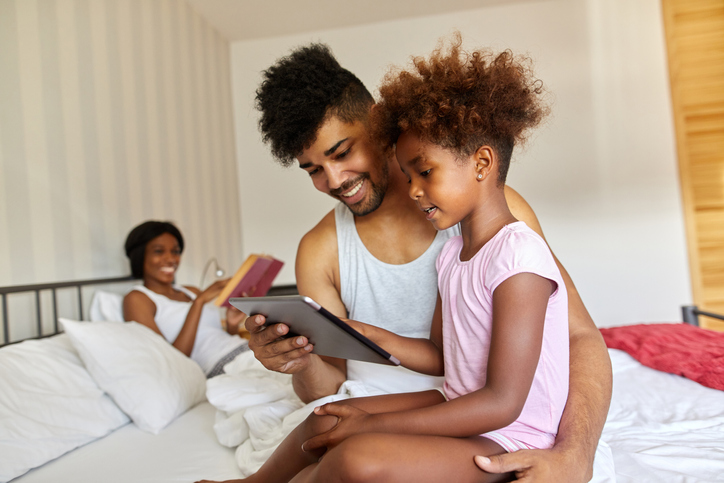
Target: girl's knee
[353, 461]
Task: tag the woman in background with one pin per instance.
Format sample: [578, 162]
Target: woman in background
[178, 313]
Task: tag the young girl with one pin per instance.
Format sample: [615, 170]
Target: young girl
[499, 333]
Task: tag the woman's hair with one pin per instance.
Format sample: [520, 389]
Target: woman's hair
[139, 237]
[461, 101]
[299, 92]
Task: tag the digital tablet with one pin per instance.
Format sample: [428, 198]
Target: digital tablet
[329, 335]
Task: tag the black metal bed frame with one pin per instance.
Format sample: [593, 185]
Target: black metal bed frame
[691, 313]
[78, 285]
[53, 288]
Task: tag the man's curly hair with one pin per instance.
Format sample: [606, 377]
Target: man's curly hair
[297, 95]
[461, 101]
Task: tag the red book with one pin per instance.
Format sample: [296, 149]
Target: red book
[253, 279]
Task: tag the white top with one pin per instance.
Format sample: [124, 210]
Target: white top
[212, 341]
[399, 298]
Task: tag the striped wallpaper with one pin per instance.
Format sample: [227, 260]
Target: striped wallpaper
[112, 112]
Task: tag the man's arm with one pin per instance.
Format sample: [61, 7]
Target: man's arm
[589, 393]
[317, 273]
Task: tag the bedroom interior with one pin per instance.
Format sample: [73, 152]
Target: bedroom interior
[117, 111]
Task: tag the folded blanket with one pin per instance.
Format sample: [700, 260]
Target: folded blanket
[682, 349]
[257, 408]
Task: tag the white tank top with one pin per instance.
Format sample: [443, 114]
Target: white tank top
[399, 298]
[212, 341]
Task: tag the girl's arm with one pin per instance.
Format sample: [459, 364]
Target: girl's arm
[589, 393]
[519, 307]
[420, 355]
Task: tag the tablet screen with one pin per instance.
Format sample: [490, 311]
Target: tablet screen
[329, 335]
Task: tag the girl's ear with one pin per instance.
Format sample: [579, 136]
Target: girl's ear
[485, 162]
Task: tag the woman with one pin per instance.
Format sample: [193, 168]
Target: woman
[178, 313]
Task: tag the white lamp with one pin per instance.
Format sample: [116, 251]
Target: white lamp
[219, 272]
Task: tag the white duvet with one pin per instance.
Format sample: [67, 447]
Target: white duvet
[257, 408]
[660, 428]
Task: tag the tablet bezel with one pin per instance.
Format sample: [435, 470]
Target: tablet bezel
[329, 335]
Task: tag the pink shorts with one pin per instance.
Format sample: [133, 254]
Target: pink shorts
[509, 444]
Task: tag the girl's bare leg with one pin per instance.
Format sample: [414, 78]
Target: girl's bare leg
[382, 457]
[289, 458]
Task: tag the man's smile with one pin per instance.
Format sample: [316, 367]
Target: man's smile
[354, 190]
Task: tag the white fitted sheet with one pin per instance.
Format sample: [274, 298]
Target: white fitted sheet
[662, 427]
[185, 451]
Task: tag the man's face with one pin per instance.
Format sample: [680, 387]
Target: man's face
[344, 163]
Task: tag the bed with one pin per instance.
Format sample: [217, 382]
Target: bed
[58, 421]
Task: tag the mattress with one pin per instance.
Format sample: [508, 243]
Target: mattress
[186, 450]
[663, 427]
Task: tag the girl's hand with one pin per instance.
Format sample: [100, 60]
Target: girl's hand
[351, 421]
[212, 291]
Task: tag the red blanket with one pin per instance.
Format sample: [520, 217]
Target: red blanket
[682, 349]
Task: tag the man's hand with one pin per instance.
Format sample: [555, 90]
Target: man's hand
[537, 466]
[276, 353]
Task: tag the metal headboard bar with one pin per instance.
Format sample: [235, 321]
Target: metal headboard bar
[691, 313]
[6, 324]
[80, 304]
[56, 285]
[78, 284]
[53, 287]
[55, 312]
[38, 317]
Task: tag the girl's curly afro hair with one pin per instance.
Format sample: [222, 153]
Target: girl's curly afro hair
[461, 101]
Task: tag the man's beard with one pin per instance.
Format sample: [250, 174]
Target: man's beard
[377, 194]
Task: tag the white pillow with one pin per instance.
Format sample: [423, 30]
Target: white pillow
[106, 306]
[49, 405]
[147, 377]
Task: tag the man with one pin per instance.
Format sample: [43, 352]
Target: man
[372, 259]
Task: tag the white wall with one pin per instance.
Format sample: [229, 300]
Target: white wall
[601, 173]
[112, 112]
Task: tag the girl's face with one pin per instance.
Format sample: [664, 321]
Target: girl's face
[161, 259]
[441, 184]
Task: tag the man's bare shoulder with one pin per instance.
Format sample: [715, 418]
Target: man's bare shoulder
[318, 249]
[317, 264]
[323, 235]
[521, 210]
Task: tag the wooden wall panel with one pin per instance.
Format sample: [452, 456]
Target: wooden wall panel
[695, 43]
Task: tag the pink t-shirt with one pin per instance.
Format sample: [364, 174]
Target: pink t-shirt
[466, 290]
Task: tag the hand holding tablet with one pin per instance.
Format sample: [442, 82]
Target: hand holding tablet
[329, 335]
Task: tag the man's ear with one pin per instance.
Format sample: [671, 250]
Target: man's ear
[486, 162]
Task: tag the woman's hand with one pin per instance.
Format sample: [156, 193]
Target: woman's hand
[212, 291]
[350, 421]
[235, 319]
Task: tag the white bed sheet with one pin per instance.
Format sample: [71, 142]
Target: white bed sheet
[185, 451]
[662, 427]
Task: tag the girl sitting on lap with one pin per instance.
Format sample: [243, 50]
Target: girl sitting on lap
[500, 330]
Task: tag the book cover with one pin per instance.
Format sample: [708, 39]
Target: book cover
[253, 279]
